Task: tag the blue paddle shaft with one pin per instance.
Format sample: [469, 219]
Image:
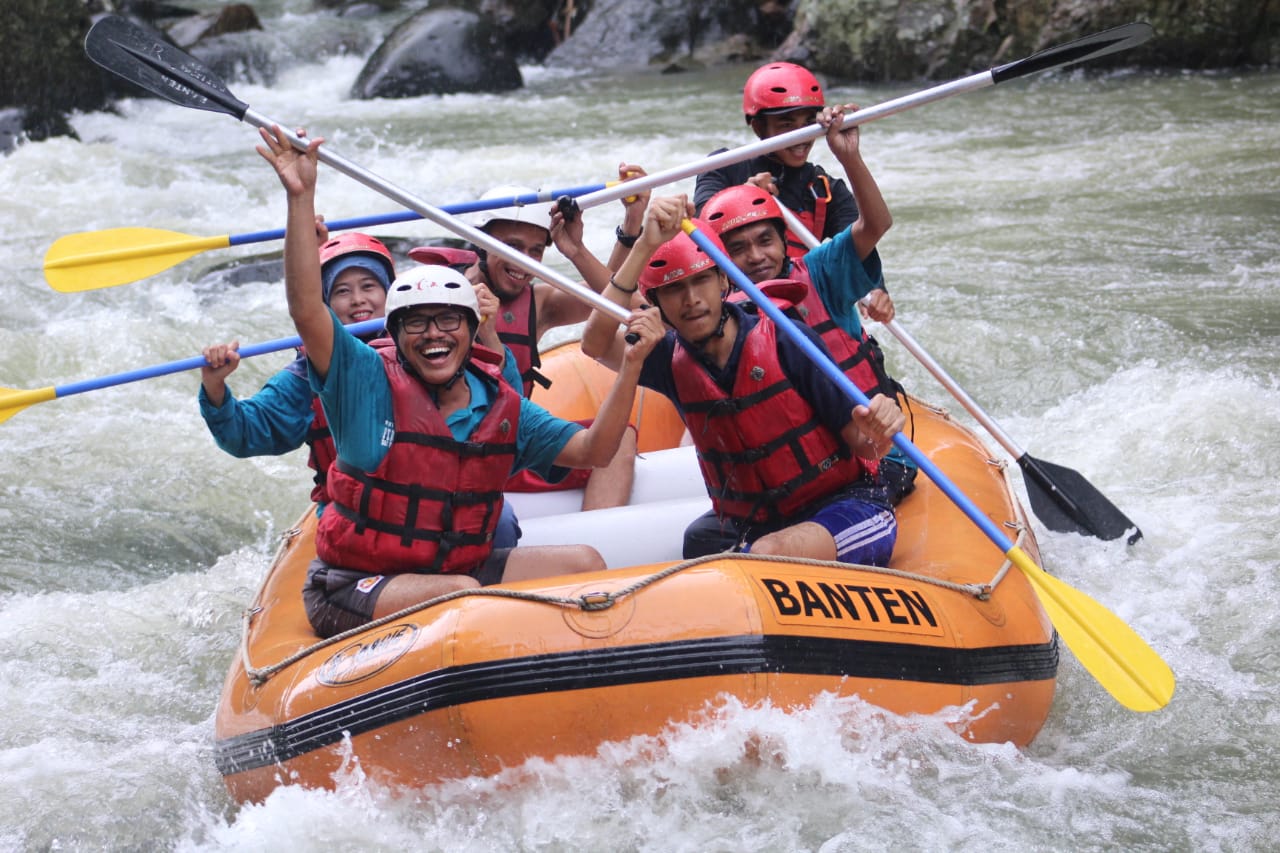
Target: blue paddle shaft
[410, 215]
[365, 328]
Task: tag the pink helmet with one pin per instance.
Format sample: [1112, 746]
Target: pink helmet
[678, 258]
[359, 250]
[353, 243]
[740, 205]
[780, 87]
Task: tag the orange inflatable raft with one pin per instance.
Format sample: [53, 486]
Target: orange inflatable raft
[486, 680]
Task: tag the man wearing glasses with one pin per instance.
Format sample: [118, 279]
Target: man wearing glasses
[427, 431]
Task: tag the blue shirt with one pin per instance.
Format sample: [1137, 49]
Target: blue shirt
[357, 403]
[833, 406]
[841, 278]
[272, 422]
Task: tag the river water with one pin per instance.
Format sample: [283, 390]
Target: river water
[1094, 260]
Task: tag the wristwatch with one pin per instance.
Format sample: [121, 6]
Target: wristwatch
[627, 240]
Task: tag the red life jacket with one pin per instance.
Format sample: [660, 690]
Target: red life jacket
[433, 503]
[814, 220]
[517, 325]
[763, 451]
[323, 452]
[860, 360]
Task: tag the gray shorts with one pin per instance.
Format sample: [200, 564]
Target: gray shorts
[339, 599]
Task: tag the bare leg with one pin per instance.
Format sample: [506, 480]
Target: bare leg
[805, 539]
[544, 561]
[407, 590]
[611, 485]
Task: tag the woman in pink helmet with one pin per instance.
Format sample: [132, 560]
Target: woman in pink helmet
[356, 271]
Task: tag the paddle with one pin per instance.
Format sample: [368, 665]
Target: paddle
[1110, 650]
[1081, 50]
[134, 55]
[162, 69]
[13, 401]
[91, 260]
[1060, 497]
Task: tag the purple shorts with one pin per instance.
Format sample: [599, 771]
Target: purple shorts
[864, 531]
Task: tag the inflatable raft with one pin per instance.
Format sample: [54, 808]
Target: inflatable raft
[483, 680]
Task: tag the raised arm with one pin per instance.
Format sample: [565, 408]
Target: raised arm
[633, 210]
[601, 339]
[596, 446]
[297, 173]
[874, 219]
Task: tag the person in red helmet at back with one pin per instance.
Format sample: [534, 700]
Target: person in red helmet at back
[780, 97]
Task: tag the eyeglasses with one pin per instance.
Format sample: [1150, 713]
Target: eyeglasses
[446, 321]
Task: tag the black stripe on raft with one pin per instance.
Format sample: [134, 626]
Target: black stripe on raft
[634, 665]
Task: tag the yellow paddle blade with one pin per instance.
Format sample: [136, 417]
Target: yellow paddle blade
[13, 401]
[1110, 650]
[96, 259]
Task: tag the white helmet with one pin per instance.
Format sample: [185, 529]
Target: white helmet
[431, 285]
[538, 213]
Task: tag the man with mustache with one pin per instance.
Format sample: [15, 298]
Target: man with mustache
[427, 432]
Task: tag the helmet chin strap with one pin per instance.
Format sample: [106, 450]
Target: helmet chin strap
[719, 332]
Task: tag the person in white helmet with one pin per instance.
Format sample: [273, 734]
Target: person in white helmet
[529, 309]
[427, 433]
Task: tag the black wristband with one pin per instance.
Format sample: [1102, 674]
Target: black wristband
[614, 282]
[627, 240]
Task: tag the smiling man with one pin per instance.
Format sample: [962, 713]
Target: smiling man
[788, 459]
[427, 432]
[528, 309]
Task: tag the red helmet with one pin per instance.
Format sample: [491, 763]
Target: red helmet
[740, 205]
[357, 243]
[678, 258]
[780, 87]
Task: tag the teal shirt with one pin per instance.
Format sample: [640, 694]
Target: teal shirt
[271, 422]
[357, 403]
[841, 278]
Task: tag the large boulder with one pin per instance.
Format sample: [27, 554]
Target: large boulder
[437, 52]
[235, 18]
[530, 28]
[876, 40]
[668, 34]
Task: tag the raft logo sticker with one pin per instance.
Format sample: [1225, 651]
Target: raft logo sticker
[367, 657]
[831, 604]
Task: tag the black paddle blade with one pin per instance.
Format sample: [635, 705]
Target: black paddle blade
[144, 59]
[1113, 40]
[1068, 503]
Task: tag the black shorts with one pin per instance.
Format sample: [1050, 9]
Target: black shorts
[339, 599]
